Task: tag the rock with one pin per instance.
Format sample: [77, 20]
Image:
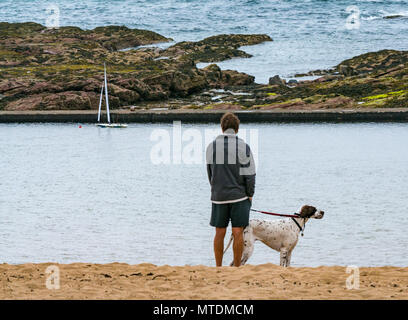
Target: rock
[346, 70]
[395, 16]
[73, 100]
[216, 48]
[126, 96]
[295, 104]
[133, 84]
[328, 77]
[218, 78]
[66, 64]
[314, 73]
[28, 103]
[226, 106]
[292, 81]
[50, 52]
[213, 74]
[276, 80]
[57, 101]
[185, 84]
[373, 62]
[235, 78]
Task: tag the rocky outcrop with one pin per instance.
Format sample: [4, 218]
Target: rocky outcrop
[372, 80]
[46, 69]
[375, 79]
[218, 78]
[216, 48]
[63, 68]
[378, 62]
[276, 80]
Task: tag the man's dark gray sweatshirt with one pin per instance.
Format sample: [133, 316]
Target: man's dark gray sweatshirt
[230, 168]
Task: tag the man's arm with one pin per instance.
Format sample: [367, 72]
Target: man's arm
[249, 172]
[250, 185]
[209, 172]
[209, 159]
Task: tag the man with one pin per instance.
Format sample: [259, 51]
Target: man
[231, 172]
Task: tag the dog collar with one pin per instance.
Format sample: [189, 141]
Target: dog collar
[300, 228]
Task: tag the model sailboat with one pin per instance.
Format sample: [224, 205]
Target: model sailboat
[109, 124]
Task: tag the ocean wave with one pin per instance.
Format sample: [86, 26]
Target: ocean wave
[370, 18]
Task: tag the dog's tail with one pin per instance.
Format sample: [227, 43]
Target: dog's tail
[229, 243]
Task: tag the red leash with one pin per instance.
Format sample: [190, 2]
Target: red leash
[277, 214]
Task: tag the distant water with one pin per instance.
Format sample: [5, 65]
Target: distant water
[308, 34]
[71, 194]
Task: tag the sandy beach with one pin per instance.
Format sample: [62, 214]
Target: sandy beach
[147, 281]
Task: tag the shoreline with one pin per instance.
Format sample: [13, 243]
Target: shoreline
[205, 116]
[148, 281]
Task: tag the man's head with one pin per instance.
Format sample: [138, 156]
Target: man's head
[229, 121]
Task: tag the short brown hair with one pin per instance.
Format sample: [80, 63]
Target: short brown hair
[229, 121]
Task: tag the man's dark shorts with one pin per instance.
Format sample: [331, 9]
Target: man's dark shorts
[237, 212]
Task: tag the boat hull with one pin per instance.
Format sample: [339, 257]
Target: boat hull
[111, 125]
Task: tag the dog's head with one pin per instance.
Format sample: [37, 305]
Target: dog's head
[310, 212]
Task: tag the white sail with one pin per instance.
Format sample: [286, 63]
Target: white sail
[106, 95]
[100, 104]
[109, 124]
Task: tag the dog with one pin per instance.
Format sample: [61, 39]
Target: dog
[281, 235]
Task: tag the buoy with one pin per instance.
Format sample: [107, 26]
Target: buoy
[80, 126]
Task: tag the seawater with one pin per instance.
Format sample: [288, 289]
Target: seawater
[307, 34]
[70, 194]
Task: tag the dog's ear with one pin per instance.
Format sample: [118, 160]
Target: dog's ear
[307, 211]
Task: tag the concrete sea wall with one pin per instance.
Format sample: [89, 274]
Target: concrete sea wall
[152, 116]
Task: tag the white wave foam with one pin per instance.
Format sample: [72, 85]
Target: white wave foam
[369, 18]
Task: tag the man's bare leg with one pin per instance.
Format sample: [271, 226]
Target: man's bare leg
[219, 245]
[238, 246]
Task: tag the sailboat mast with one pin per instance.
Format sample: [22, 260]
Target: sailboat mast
[106, 95]
[100, 104]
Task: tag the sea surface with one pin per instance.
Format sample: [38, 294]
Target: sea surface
[88, 194]
[307, 34]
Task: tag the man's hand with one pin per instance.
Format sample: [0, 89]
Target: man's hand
[250, 199]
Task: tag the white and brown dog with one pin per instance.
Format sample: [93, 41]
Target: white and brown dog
[281, 235]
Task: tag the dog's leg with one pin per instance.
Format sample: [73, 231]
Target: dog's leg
[283, 257]
[248, 250]
[248, 247]
[288, 258]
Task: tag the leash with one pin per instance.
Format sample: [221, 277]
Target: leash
[293, 216]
